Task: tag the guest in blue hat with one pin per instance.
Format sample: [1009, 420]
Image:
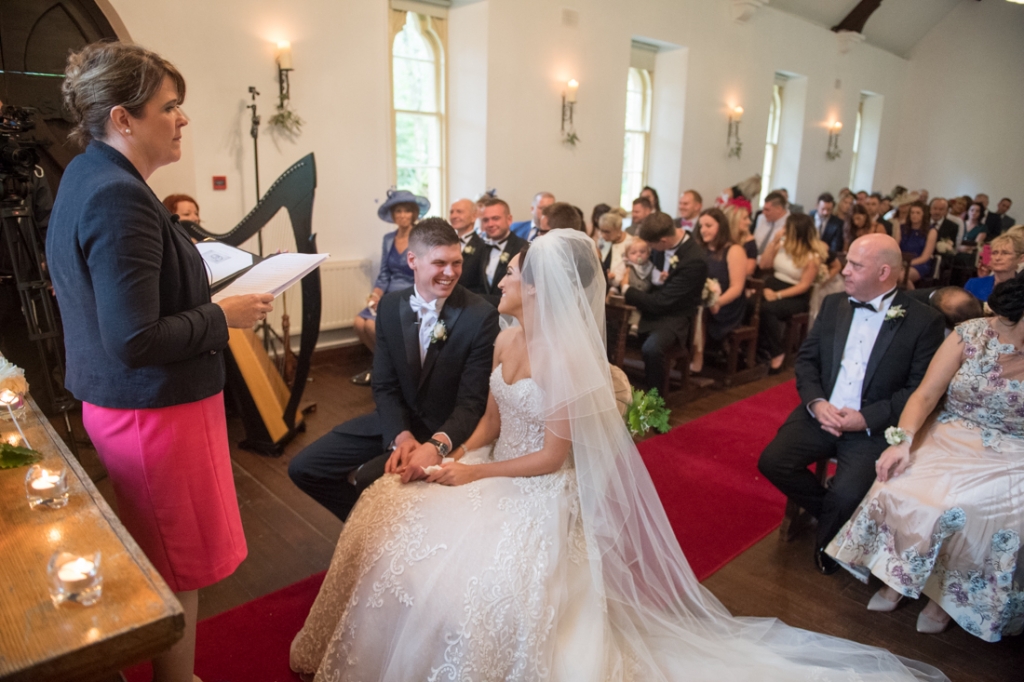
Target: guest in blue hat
[403, 209]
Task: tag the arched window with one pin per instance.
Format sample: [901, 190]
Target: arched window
[771, 146]
[638, 133]
[855, 152]
[417, 79]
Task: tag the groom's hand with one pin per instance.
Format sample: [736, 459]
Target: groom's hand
[422, 457]
[405, 444]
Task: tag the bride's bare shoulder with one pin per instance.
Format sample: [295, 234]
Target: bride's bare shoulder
[509, 341]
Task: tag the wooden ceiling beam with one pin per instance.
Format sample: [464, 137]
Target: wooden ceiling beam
[858, 16]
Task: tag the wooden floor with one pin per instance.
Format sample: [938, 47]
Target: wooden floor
[291, 537]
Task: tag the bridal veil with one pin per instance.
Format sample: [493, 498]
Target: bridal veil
[663, 623]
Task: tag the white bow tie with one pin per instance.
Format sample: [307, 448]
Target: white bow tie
[421, 307]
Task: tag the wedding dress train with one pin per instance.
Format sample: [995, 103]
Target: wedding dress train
[570, 576]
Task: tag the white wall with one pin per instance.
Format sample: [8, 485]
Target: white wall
[508, 62]
[962, 127]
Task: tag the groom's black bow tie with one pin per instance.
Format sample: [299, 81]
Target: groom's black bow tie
[496, 245]
[855, 304]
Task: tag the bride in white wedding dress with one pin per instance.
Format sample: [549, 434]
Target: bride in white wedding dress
[544, 552]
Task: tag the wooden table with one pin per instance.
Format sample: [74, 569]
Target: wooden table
[137, 616]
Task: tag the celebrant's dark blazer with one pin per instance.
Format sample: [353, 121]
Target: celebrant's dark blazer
[140, 330]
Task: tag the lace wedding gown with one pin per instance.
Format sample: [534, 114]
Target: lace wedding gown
[492, 581]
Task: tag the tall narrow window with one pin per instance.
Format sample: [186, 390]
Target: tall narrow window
[856, 144]
[638, 133]
[771, 146]
[417, 76]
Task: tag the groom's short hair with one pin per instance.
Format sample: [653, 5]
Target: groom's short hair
[431, 233]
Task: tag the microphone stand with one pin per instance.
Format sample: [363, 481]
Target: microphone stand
[254, 131]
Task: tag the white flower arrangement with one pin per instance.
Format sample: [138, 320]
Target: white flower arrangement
[469, 250]
[895, 312]
[12, 377]
[673, 262]
[711, 293]
[439, 333]
[505, 257]
[945, 247]
[894, 435]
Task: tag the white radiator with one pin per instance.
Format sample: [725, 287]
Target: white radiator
[345, 285]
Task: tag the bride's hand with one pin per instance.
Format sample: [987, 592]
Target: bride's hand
[454, 473]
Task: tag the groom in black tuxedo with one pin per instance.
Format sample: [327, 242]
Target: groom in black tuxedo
[867, 352]
[435, 343]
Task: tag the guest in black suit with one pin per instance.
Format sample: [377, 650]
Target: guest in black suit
[641, 209]
[945, 229]
[499, 245]
[829, 226]
[667, 311]
[865, 355]
[462, 216]
[997, 221]
[430, 373]
[873, 204]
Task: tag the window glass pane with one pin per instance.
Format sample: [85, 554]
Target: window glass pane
[632, 168]
[415, 86]
[636, 99]
[418, 154]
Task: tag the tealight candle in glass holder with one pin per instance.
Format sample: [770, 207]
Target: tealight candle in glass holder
[75, 578]
[11, 404]
[46, 487]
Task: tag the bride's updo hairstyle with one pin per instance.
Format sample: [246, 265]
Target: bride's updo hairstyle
[1007, 299]
[105, 75]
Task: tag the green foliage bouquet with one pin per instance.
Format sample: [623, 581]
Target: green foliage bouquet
[646, 412]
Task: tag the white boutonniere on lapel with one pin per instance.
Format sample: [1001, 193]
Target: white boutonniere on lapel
[894, 312]
[439, 333]
[505, 257]
[673, 262]
[469, 250]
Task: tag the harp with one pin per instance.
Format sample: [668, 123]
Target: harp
[269, 408]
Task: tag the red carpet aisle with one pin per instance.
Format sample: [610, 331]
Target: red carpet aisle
[706, 475]
[707, 478]
[250, 642]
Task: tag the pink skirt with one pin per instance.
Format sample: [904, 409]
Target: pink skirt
[171, 471]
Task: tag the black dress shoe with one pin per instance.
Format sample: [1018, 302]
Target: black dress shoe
[826, 564]
[363, 378]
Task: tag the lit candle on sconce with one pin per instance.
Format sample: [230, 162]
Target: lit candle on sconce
[570, 90]
[833, 152]
[732, 137]
[284, 55]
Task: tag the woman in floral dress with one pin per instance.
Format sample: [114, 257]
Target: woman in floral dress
[946, 515]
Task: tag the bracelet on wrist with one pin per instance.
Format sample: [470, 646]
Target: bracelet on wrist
[894, 435]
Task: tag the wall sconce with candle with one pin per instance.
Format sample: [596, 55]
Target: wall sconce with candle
[732, 139]
[568, 105]
[833, 151]
[285, 119]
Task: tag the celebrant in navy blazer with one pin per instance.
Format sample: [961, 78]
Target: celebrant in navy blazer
[144, 342]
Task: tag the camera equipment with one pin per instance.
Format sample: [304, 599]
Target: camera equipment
[22, 253]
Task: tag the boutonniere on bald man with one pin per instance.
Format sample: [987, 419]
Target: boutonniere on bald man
[894, 313]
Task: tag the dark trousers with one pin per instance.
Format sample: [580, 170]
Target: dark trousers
[774, 315]
[654, 347]
[322, 469]
[801, 441]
